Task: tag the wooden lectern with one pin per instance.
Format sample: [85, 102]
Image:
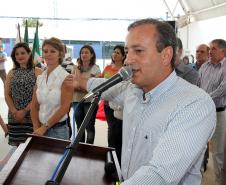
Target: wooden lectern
[34, 162]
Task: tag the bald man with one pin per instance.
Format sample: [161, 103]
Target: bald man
[202, 55]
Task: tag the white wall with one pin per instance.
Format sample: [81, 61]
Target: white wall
[202, 32]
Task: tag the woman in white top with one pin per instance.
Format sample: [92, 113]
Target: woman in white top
[52, 99]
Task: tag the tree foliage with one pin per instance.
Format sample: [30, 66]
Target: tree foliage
[32, 22]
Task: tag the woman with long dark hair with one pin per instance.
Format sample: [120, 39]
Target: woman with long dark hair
[19, 85]
[86, 68]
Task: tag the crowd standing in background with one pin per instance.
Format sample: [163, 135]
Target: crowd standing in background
[19, 86]
[87, 68]
[159, 111]
[52, 98]
[113, 112]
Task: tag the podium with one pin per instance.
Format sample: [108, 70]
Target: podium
[34, 162]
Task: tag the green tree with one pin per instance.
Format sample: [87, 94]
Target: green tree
[31, 22]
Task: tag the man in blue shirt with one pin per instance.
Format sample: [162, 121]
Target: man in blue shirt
[167, 121]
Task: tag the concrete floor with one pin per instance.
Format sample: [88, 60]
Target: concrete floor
[208, 176]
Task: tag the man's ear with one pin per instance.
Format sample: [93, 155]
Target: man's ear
[167, 55]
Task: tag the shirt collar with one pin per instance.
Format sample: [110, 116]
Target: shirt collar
[158, 90]
[55, 72]
[221, 62]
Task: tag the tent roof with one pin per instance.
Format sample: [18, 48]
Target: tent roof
[117, 9]
[70, 17]
[201, 10]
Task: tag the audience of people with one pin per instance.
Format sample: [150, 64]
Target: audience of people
[153, 112]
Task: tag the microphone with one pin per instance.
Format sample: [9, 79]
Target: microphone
[125, 73]
[109, 166]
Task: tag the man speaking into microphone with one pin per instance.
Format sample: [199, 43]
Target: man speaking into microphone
[167, 121]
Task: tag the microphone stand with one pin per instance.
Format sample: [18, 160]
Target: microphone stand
[74, 144]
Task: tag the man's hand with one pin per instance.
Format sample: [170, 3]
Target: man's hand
[71, 82]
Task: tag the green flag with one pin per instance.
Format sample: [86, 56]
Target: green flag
[26, 39]
[36, 53]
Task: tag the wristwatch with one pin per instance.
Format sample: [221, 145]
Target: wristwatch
[46, 125]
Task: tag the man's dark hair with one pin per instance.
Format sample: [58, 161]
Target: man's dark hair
[220, 42]
[179, 43]
[165, 35]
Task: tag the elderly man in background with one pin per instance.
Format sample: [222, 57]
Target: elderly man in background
[202, 55]
[212, 78]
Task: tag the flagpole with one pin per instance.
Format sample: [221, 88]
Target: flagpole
[35, 49]
[26, 38]
[19, 32]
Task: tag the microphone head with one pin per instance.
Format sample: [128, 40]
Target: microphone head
[125, 73]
